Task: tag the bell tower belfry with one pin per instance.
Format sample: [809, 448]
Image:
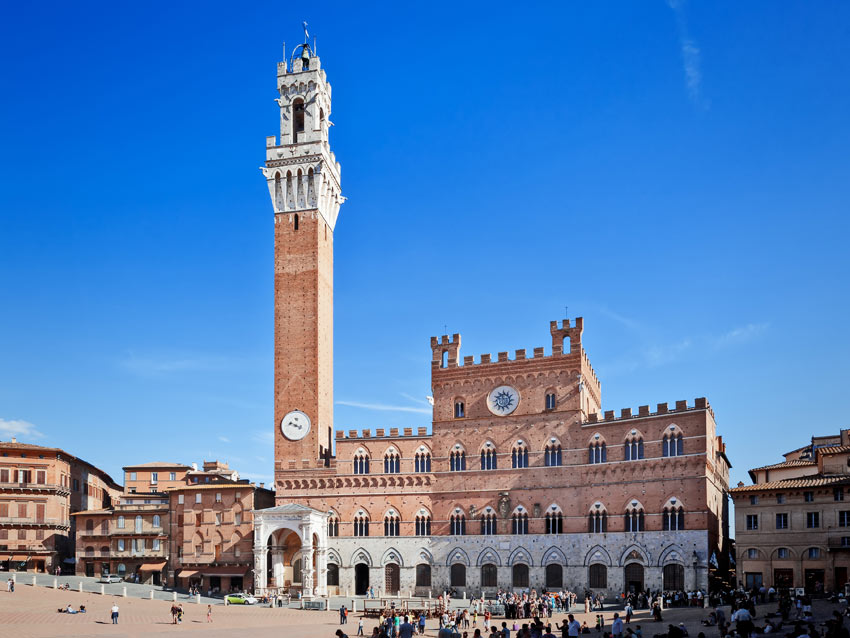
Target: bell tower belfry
[304, 185]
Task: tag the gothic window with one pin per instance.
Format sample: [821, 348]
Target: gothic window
[333, 525]
[422, 462]
[634, 517]
[520, 575]
[597, 521]
[333, 575]
[554, 522]
[519, 523]
[550, 401]
[457, 575]
[488, 524]
[361, 525]
[488, 457]
[634, 447]
[392, 462]
[361, 463]
[597, 452]
[458, 524]
[392, 524]
[598, 576]
[459, 410]
[489, 575]
[671, 444]
[423, 526]
[297, 119]
[457, 461]
[552, 454]
[423, 575]
[519, 455]
[673, 518]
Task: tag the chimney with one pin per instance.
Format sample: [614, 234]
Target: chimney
[14, 440]
[262, 484]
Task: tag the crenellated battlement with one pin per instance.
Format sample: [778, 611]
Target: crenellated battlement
[382, 433]
[700, 403]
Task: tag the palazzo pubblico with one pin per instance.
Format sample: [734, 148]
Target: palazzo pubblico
[523, 482]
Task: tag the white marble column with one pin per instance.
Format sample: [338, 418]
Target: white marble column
[320, 586]
[260, 583]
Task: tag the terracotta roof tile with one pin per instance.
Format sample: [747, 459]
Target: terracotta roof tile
[834, 449]
[792, 484]
[792, 463]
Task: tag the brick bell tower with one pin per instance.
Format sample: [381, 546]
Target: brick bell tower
[304, 184]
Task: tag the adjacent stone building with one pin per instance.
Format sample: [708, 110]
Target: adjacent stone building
[522, 482]
[40, 489]
[792, 525]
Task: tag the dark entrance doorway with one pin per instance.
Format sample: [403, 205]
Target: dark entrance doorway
[392, 578]
[634, 577]
[840, 578]
[361, 579]
[814, 581]
[783, 577]
[674, 577]
[89, 569]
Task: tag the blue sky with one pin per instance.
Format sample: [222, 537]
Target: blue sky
[676, 173]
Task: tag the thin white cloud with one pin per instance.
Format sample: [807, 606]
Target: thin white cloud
[224, 439]
[690, 53]
[422, 400]
[740, 335]
[19, 429]
[659, 355]
[384, 407]
[263, 436]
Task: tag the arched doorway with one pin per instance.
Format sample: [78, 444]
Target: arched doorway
[361, 579]
[520, 575]
[283, 565]
[633, 577]
[392, 578]
[674, 577]
[554, 576]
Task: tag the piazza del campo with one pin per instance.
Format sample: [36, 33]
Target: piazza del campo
[524, 498]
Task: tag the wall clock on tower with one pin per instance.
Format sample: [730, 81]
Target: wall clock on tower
[503, 400]
[295, 425]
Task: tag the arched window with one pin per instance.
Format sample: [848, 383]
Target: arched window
[674, 577]
[552, 454]
[460, 410]
[89, 551]
[392, 524]
[519, 455]
[597, 576]
[519, 522]
[488, 523]
[392, 462]
[596, 451]
[458, 524]
[333, 525]
[634, 446]
[489, 575]
[361, 525]
[423, 575]
[634, 517]
[297, 570]
[89, 526]
[333, 575]
[297, 119]
[457, 460]
[597, 520]
[550, 401]
[488, 457]
[423, 525]
[673, 517]
[138, 524]
[157, 521]
[361, 462]
[672, 444]
[554, 576]
[422, 462]
[122, 569]
[520, 575]
[554, 521]
[458, 575]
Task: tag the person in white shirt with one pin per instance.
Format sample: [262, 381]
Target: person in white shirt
[617, 627]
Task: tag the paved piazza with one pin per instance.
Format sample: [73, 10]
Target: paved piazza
[31, 611]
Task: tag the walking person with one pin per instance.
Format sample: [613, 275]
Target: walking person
[209, 613]
[174, 614]
[617, 627]
[114, 614]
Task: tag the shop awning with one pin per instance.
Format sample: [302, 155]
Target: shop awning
[222, 570]
[186, 573]
[152, 567]
[20, 557]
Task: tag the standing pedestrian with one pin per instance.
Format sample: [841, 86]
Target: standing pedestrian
[209, 613]
[114, 614]
[617, 627]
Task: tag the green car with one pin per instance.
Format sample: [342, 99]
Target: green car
[240, 599]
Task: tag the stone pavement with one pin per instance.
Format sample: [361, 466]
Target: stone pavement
[31, 611]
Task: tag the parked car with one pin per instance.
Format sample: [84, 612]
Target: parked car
[240, 599]
[111, 578]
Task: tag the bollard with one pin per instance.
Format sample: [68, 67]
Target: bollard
[14, 578]
[80, 587]
[464, 595]
[55, 584]
[102, 590]
[429, 594]
[353, 605]
[151, 594]
[198, 598]
[125, 592]
[174, 596]
[33, 580]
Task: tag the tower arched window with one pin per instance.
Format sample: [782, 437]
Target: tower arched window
[672, 444]
[361, 525]
[519, 523]
[457, 460]
[488, 524]
[597, 453]
[423, 525]
[554, 522]
[550, 400]
[333, 525]
[553, 456]
[460, 410]
[673, 518]
[422, 462]
[361, 463]
[392, 462]
[597, 521]
[392, 524]
[488, 457]
[297, 119]
[634, 518]
[458, 524]
[519, 455]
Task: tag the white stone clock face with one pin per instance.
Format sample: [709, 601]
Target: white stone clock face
[295, 425]
[503, 400]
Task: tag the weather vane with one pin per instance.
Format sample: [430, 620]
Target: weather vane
[306, 35]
